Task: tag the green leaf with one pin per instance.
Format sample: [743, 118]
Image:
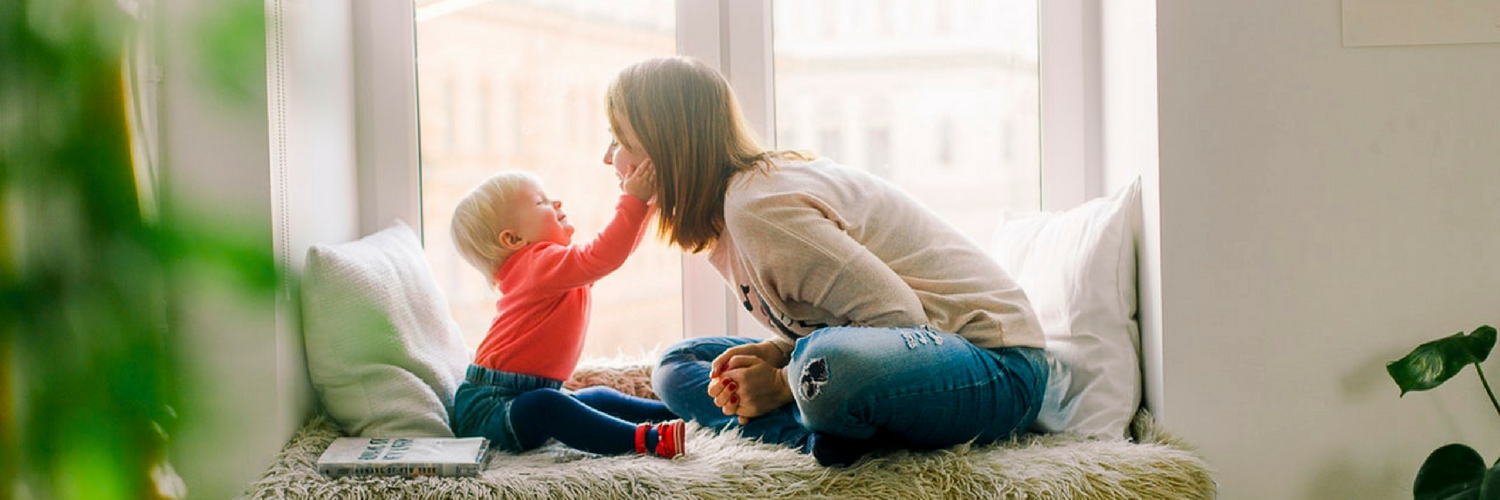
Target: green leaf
[1484, 341]
[1490, 488]
[1432, 363]
[1454, 471]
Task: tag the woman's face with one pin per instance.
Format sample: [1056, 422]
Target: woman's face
[624, 152]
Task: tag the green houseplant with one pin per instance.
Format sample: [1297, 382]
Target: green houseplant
[1454, 471]
[90, 374]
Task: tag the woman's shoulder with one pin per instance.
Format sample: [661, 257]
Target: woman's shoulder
[790, 173]
[816, 182]
[781, 176]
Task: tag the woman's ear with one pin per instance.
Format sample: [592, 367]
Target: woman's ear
[510, 240]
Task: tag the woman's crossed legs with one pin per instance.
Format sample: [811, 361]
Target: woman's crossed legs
[856, 387]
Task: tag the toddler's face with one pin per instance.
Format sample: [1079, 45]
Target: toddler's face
[539, 218]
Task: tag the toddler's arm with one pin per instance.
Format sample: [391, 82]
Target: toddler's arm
[582, 264]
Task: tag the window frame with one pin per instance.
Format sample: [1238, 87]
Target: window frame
[385, 114]
[734, 36]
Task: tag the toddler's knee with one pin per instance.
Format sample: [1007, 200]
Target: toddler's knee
[540, 400]
[595, 392]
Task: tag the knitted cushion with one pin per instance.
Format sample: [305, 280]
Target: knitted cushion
[382, 352]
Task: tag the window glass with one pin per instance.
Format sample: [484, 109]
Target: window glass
[938, 96]
[519, 84]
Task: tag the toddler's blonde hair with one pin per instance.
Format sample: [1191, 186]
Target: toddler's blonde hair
[482, 214]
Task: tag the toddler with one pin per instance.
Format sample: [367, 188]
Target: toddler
[512, 394]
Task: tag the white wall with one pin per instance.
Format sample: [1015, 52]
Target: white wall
[281, 165]
[1127, 37]
[310, 77]
[239, 406]
[1322, 210]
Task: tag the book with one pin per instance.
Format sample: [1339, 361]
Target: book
[408, 457]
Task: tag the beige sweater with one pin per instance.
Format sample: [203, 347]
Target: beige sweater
[815, 244]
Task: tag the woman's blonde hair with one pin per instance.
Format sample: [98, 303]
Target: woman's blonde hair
[688, 120]
[482, 214]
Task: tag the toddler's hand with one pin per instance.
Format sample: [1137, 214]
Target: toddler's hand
[641, 182]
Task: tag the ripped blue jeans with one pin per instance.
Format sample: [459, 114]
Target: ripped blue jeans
[914, 388]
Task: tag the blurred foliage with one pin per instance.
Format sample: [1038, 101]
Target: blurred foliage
[226, 56]
[89, 370]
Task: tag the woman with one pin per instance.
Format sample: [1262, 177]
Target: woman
[892, 328]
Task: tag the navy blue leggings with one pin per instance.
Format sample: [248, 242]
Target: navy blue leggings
[597, 420]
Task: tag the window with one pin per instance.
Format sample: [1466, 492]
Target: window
[934, 97]
[878, 151]
[485, 117]
[448, 131]
[870, 84]
[533, 73]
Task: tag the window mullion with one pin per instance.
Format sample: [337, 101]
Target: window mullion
[733, 36]
[706, 302]
[385, 114]
[1072, 151]
[747, 63]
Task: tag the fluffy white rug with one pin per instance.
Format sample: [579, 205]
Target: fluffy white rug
[725, 466]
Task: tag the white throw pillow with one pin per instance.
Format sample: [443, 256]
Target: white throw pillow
[382, 351]
[1078, 268]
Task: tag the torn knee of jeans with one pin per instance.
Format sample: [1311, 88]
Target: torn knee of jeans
[914, 339]
[814, 376]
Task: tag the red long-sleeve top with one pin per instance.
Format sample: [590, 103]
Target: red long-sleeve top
[543, 311]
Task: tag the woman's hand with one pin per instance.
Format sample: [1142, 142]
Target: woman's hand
[641, 182]
[765, 350]
[747, 380]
